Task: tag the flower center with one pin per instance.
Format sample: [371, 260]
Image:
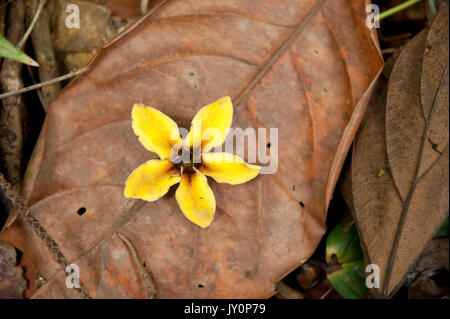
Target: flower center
[188, 160]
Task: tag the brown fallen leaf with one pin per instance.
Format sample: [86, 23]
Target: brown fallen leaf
[432, 263]
[435, 255]
[398, 213]
[304, 67]
[12, 283]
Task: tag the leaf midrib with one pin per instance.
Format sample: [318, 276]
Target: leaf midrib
[417, 179]
[276, 55]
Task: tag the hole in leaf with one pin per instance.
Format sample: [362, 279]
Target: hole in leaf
[81, 211]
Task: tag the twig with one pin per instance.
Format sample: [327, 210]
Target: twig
[150, 285]
[40, 231]
[327, 293]
[31, 26]
[13, 114]
[39, 85]
[43, 50]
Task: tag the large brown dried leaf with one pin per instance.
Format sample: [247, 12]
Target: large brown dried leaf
[407, 136]
[304, 67]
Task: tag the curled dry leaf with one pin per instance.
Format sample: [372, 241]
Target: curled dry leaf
[399, 211]
[304, 67]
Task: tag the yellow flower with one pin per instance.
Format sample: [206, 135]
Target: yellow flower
[159, 134]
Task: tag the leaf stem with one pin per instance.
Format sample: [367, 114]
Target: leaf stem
[396, 9]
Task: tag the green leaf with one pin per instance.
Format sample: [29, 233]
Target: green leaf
[8, 50]
[345, 260]
[443, 231]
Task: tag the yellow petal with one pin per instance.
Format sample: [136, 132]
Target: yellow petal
[196, 199]
[228, 168]
[151, 180]
[156, 131]
[211, 124]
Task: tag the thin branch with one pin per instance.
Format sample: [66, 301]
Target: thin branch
[32, 23]
[150, 285]
[39, 85]
[326, 293]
